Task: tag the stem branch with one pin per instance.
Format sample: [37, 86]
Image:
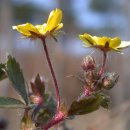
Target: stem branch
[56, 119]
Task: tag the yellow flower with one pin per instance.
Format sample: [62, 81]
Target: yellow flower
[103, 43]
[41, 31]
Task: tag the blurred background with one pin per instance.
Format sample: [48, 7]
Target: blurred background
[97, 17]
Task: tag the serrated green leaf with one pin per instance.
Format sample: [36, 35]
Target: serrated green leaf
[7, 102]
[16, 76]
[88, 104]
[3, 74]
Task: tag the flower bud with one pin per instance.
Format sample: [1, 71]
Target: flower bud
[109, 80]
[36, 99]
[38, 86]
[88, 63]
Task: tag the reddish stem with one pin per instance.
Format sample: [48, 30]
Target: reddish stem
[103, 65]
[86, 93]
[57, 119]
[52, 73]
[101, 72]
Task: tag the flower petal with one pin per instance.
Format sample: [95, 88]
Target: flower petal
[54, 19]
[123, 44]
[101, 41]
[114, 42]
[26, 29]
[59, 26]
[41, 28]
[87, 39]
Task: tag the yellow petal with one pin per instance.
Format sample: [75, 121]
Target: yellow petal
[114, 42]
[101, 41]
[124, 44]
[41, 28]
[26, 29]
[54, 19]
[87, 39]
[59, 26]
[21, 30]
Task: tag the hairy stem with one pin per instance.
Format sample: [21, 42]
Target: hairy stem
[56, 119]
[52, 73]
[101, 72]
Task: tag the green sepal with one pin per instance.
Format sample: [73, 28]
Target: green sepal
[54, 38]
[40, 84]
[16, 77]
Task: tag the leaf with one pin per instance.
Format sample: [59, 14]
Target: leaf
[106, 102]
[7, 102]
[2, 72]
[16, 76]
[88, 104]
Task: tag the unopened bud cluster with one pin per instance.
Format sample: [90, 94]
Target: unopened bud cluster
[93, 82]
[88, 63]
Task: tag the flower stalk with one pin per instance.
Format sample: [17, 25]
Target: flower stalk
[102, 70]
[103, 65]
[52, 73]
